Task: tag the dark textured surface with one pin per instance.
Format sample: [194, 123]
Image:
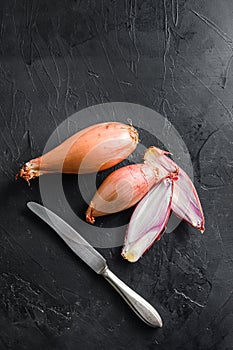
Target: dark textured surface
[58, 57]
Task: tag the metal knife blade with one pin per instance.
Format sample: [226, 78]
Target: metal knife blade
[96, 261]
[72, 238]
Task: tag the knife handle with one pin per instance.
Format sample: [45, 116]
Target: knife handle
[140, 306]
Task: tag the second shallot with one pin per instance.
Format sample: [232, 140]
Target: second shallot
[121, 190]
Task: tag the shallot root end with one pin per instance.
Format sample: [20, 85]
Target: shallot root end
[89, 217]
[129, 256]
[28, 173]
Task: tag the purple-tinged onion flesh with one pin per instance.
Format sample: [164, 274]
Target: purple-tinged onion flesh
[185, 202]
[149, 220]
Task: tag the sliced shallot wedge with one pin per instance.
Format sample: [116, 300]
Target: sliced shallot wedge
[149, 220]
[185, 202]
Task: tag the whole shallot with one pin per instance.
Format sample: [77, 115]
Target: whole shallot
[121, 190]
[95, 148]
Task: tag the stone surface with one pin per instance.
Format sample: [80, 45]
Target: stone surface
[58, 57]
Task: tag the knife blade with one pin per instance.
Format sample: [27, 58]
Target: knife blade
[97, 262]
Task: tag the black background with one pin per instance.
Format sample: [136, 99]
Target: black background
[58, 57]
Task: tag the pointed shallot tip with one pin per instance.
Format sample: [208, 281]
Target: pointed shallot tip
[202, 229]
[133, 134]
[166, 152]
[199, 225]
[130, 121]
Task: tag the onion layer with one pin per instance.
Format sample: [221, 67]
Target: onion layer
[185, 202]
[148, 220]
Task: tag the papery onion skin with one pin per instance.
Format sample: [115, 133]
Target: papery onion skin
[95, 148]
[185, 203]
[122, 189]
[149, 220]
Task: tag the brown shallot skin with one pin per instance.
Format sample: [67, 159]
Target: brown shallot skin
[121, 190]
[95, 148]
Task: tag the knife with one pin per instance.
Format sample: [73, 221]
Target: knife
[97, 262]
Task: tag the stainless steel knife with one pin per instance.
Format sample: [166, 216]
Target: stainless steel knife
[97, 262]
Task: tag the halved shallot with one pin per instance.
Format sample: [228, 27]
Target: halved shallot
[185, 202]
[121, 190]
[95, 148]
[149, 219]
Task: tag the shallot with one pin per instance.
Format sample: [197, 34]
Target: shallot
[121, 190]
[95, 148]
